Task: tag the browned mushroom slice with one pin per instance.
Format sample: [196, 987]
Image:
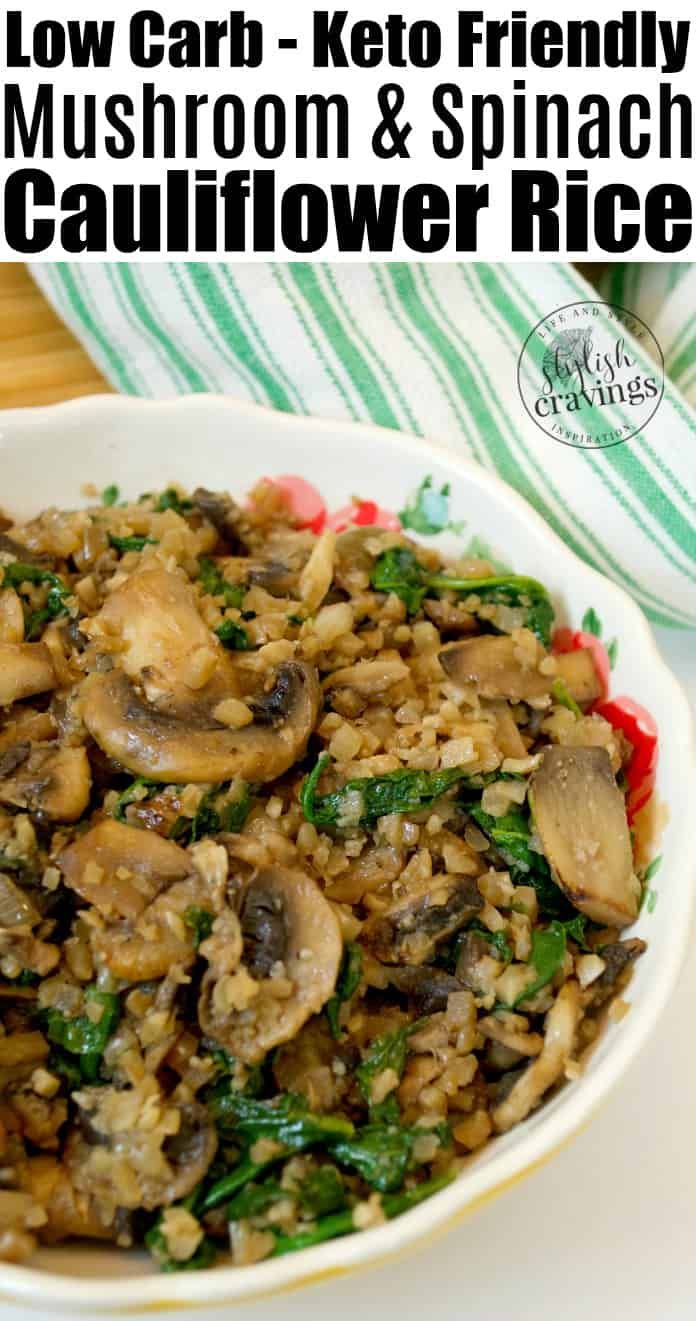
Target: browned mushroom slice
[162, 712]
[559, 1037]
[26, 668]
[428, 989]
[120, 869]
[229, 521]
[494, 664]
[450, 618]
[195, 747]
[161, 937]
[53, 781]
[26, 727]
[618, 959]
[580, 815]
[375, 867]
[291, 956]
[410, 931]
[138, 1148]
[353, 561]
[275, 576]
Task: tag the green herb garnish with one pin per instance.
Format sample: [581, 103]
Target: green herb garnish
[233, 636]
[109, 496]
[123, 544]
[170, 499]
[214, 584]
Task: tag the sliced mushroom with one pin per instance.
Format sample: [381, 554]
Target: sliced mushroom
[477, 966]
[618, 958]
[370, 678]
[559, 1036]
[496, 666]
[580, 816]
[410, 931]
[375, 867]
[353, 561]
[145, 1150]
[50, 781]
[156, 714]
[290, 932]
[26, 668]
[9, 546]
[450, 618]
[264, 929]
[26, 727]
[511, 1031]
[276, 577]
[161, 937]
[428, 989]
[226, 517]
[121, 869]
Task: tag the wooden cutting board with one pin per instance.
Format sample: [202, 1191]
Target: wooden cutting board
[41, 362]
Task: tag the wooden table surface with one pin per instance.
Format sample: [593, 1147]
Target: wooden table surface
[41, 362]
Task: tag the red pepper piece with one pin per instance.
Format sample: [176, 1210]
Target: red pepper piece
[305, 501]
[639, 727]
[363, 513]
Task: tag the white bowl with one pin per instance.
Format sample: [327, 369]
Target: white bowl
[47, 454]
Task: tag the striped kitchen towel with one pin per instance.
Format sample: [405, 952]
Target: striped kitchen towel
[431, 349]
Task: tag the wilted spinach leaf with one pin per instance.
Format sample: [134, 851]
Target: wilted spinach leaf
[380, 795]
[346, 985]
[81, 1036]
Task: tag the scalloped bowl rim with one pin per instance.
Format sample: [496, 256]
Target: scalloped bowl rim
[525, 1147]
